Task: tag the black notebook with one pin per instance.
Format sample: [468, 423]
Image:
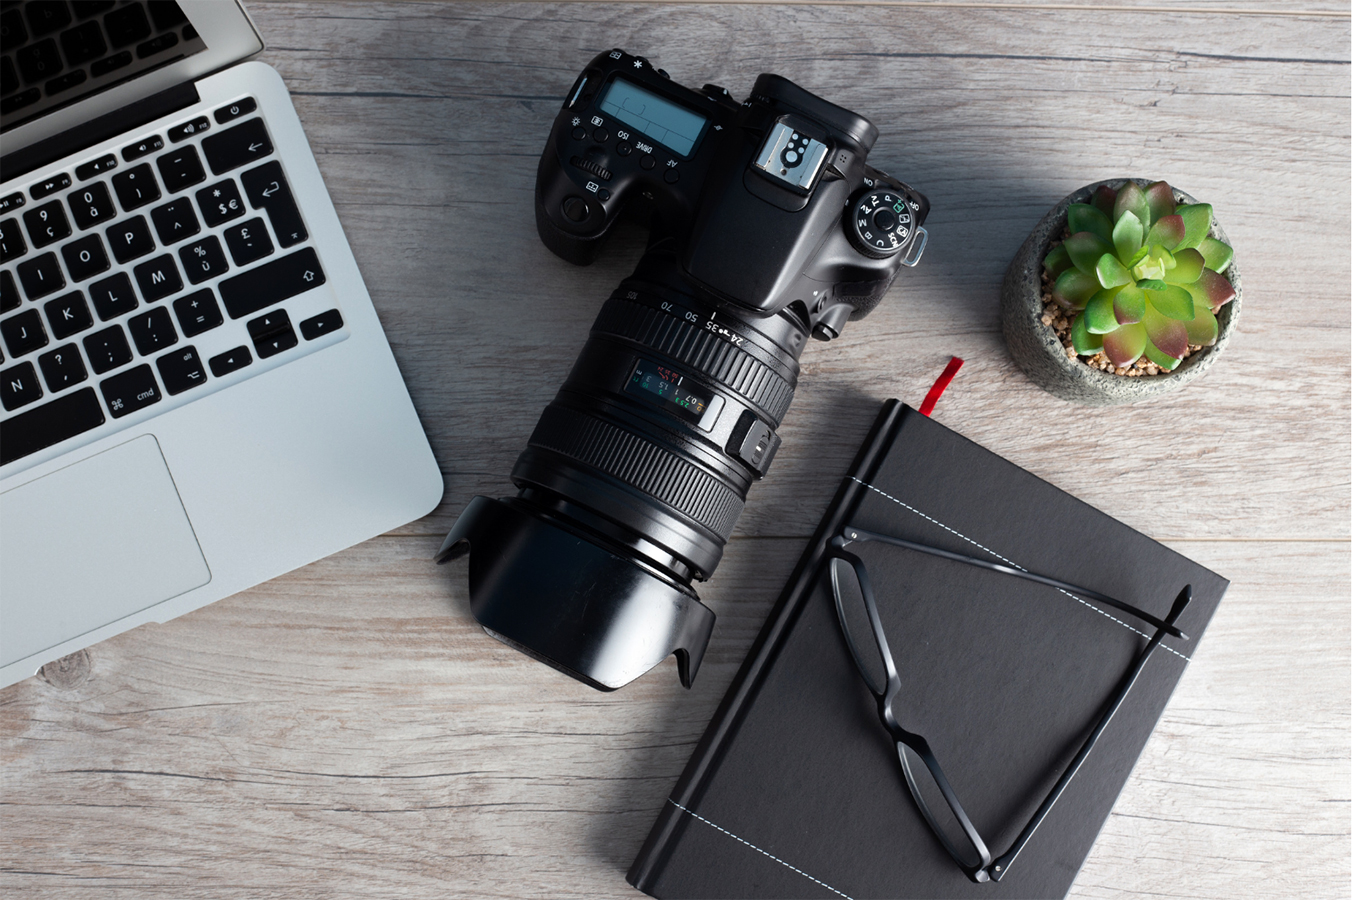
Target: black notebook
[795, 790]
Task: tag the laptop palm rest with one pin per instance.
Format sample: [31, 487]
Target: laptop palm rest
[116, 514]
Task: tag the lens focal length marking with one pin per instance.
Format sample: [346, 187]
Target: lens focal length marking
[671, 390]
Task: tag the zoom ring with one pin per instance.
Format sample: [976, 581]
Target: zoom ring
[642, 465]
[706, 352]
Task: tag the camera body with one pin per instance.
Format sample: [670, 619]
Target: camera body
[766, 226]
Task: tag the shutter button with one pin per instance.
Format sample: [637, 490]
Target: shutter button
[575, 209]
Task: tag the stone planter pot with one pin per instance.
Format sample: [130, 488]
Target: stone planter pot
[1040, 354]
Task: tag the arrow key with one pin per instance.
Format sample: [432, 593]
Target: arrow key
[272, 333]
[237, 146]
[230, 361]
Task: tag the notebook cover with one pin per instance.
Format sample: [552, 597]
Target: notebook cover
[795, 789]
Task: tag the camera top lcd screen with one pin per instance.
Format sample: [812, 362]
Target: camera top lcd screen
[673, 126]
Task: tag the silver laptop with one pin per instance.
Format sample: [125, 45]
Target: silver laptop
[197, 395]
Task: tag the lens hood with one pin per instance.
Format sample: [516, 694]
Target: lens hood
[560, 597]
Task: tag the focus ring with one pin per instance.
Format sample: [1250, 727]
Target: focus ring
[640, 464]
[705, 352]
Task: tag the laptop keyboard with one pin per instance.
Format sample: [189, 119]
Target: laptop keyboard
[149, 278]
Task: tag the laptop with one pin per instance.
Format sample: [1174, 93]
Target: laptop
[197, 394]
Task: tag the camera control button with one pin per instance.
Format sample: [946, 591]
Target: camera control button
[647, 162]
[885, 220]
[601, 135]
[579, 133]
[671, 176]
[575, 209]
[623, 148]
[603, 194]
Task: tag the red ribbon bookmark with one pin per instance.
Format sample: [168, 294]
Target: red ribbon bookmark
[940, 384]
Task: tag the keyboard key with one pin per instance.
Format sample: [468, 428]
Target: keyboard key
[113, 296]
[203, 259]
[19, 387]
[136, 187]
[239, 108]
[85, 258]
[181, 370]
[156, 45]
[19, 101]
[266, 187]
[51, 423]
[220, 203]
[237, 146]
[325, 322]
[9, 76]
[230, 361]
[65, 82]
[187, 130]
[127, 25]
[23, 333]
[9, 293]
[91, 205]
[130, 239]
[50, 186]
[83, 43]
[248, 241]
[271, 283]
[86, 8]
[68, 314]
[62, 368]
[107, 349]
[46, 16]
[46, 223]
[41, 276]
[96, 167]
[12, 245]
[158, 278]
[152, 331]
[12, 29]
[197, 312]
[272, 333]
[175, 220]
[12, 201]
[38, 62]
[180, 169]
[130, 390]
[149, 145]
[111, 64]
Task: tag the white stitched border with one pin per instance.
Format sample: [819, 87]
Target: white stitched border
[1010, 562]
[758, 849]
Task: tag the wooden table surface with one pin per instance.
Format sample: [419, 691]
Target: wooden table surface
[347, 730]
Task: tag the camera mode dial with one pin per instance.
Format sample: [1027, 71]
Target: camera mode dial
[880, 223]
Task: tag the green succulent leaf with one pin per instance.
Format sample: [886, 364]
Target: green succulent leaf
[1098, 315]
[1188, 267]
[1103, 200]
[1131, 198]
[1203, 329]
[1167, 232]
[1126, 345]
[1111, 273]
[1074, 287]
[1129, 304]
[1160, 200]
[1152, 284]
[1197, 220]
[1138, 256]
[1173, 303]
[1127, 237]
[1212, 289]
[1085, 343]
[1167, 363]
[1083, 217]
[1216, 255]
[1057, 261]
[1086, 249]
[1168, 335]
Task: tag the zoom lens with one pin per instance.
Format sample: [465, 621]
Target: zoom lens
[632, 482]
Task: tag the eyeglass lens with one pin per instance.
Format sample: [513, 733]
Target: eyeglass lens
[854, 616]
[929, 799]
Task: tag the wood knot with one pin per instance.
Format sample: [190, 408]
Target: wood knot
[68, 672]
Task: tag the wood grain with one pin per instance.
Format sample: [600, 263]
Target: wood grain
[348, 731]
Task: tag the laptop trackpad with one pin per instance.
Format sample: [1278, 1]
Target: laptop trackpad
[89, 544]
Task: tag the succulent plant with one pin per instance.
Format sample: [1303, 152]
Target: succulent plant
[1142, 273]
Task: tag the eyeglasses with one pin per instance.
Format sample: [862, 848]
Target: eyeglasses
[858, 613]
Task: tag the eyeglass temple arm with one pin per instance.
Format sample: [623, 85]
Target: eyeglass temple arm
[1002, 864]
[859, 534]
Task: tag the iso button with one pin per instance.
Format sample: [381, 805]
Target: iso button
[880, 223]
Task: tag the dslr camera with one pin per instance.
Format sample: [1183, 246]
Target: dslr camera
[766, 226]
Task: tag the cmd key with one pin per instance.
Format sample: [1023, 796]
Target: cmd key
[271, 283]
[237, 146]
